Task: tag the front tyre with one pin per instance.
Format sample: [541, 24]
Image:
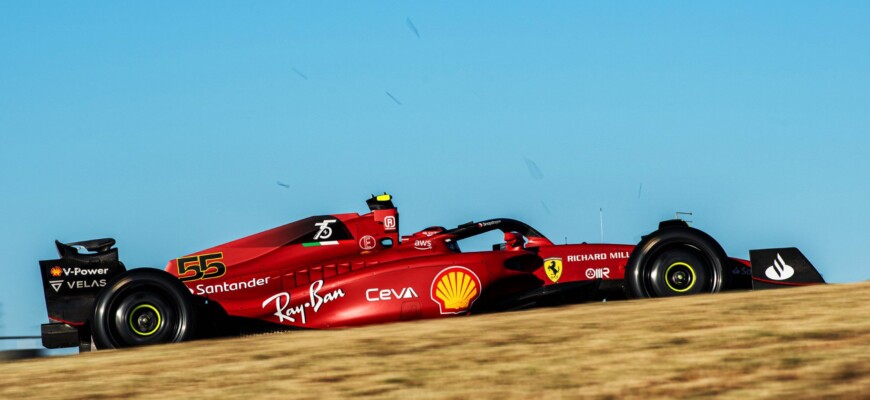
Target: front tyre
[143, 307]
[676, 261]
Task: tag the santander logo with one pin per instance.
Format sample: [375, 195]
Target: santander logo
[779, 271]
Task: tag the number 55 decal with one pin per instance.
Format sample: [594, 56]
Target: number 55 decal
[205, 266]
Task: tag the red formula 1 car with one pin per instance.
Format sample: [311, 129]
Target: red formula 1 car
[348, 269]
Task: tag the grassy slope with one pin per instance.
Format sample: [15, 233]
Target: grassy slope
[797, 343]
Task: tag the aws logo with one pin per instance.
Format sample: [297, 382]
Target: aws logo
[455, 289]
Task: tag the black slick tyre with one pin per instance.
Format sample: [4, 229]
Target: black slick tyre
[142, 307]
[676, 261]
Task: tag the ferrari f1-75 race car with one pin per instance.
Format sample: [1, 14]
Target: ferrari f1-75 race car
[342, 270]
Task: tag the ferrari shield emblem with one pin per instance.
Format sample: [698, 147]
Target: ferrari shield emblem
[553, 268]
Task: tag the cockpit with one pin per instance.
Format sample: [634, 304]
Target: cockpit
[516, 235]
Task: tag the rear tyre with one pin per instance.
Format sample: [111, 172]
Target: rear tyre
[676, 261]
[142, 307]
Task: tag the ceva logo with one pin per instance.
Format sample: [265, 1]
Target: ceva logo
[779, 271]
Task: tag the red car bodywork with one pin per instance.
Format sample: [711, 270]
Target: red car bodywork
[349, 269]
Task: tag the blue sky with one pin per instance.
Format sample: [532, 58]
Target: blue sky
[167, 126]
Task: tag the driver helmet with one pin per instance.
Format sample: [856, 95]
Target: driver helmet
[513, 240]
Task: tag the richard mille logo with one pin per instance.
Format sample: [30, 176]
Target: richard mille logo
[779, 271]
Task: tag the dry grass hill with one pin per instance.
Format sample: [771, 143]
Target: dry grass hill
[799, 343]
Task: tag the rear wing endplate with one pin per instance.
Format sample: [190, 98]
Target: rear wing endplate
[71, 284]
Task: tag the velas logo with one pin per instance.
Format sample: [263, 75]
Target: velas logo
[56, 271]
[455, 289]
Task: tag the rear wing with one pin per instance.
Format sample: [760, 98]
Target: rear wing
[71, 284]
[783, 267]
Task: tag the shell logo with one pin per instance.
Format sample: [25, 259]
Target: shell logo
[56, 271]
[455, 289]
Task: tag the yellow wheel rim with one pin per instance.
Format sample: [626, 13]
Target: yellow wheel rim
[156, 326]
[668, 282]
